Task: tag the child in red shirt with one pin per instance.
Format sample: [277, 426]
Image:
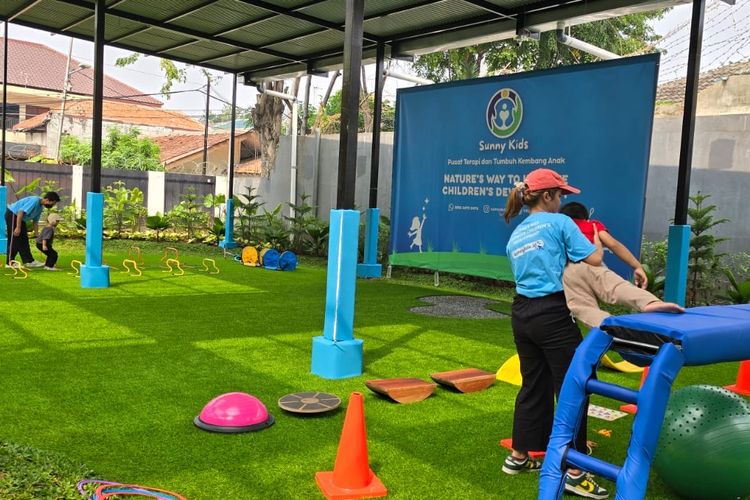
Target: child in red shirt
[586, 285]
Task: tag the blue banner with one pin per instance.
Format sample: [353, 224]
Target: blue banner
[459, 148]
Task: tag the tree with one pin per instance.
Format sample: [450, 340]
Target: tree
[625, 35]
[120, 150]
[172, 72]
[330, 115]
[267, 122]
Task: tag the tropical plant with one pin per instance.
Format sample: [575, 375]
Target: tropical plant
[654, 262]
[704, 264]
[317, 242]
[188, 213]
[250, 221]
[273, 229]
[158, 223]
[123, 207]
[300, 223]
[213, 201]
[738, 291]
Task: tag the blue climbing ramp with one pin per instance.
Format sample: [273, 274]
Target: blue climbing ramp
[666, 343]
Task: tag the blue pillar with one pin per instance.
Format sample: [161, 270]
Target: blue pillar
[370, 268]
[678, 251]
[228, 241]
[93, 273]
[3, 228]
[337, 354]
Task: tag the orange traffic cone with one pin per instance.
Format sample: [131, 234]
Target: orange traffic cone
[352, 476]
[743, 380]
[631, 408]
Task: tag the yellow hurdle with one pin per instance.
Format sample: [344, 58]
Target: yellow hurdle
[18, 268]
[131, 272]
[206, 268]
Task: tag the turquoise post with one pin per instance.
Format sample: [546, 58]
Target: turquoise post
[228, 241]
[678, 251]
[337, 354]
[370, 268]
[93, 273]
[3, 227]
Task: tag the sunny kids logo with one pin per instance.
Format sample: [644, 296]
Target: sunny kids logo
[504, 113]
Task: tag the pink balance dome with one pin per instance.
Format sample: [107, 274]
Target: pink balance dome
[234, 412]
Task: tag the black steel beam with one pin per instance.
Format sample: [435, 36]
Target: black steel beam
[265, 18]
[21, 10]
[376, 119]
[177, 46]
[100, 9]
[184, 31]
[304, 17]
[230, 170]
[688, 113]
[5, 102]
[88, 16]
[80, 36]
[347, 174]
[340, 28]
[170, 19]
[491, 7]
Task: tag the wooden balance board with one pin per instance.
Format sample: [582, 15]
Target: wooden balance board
[402, 390]
[466, 380]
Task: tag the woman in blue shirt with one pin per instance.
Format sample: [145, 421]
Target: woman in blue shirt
[25, 210]
[545, 334]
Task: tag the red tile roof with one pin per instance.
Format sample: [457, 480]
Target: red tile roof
[177, 146]
[37, 66]
[174, 147]
[118, 111]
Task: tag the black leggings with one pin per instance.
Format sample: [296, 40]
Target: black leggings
[546, 338]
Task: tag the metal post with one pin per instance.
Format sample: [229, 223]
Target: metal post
[96, 133]
[350, 104]
[688, 116]
[228, 241]
[675, 285]
[376, 119]
[205, 127]
[66, 82]
[230, 170]
[306, 111]
[5, 102]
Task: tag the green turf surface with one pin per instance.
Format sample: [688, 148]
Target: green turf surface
[112, 378]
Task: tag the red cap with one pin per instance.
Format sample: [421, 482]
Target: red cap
[544, 178]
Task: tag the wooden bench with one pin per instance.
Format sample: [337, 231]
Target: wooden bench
[402, 390]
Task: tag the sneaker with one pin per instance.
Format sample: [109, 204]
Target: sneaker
[584, 486]
[47, 268]
[34, 263]
[515, 466]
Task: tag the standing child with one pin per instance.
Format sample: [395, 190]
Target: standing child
[545, 335]
[44, 241]
[585, 285]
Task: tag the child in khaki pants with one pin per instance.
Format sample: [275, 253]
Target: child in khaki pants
[586, 285]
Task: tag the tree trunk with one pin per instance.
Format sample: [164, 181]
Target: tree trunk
[267, 115]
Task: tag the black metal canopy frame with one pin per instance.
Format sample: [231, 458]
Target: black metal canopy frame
[274, 39]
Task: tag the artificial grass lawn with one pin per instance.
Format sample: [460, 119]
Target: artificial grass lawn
[113, 378]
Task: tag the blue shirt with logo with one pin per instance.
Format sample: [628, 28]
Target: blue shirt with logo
[540, 247]
[31, 206]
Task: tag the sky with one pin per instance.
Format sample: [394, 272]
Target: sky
[726, 39]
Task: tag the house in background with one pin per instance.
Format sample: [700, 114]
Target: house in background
[36, 78]
[183, 153]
